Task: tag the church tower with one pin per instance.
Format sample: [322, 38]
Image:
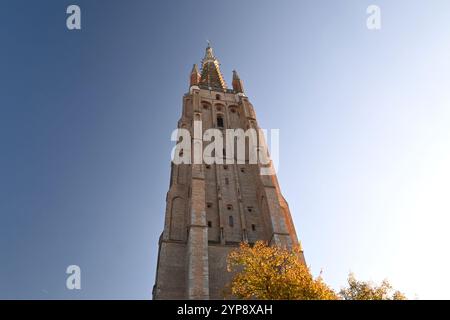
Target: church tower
[211, 208]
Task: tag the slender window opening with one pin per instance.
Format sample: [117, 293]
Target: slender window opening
[220, 121]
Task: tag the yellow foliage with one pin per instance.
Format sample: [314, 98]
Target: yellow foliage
[272, 273]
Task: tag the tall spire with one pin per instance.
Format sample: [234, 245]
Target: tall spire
[211, 75]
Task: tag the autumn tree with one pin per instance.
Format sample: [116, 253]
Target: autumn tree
[273, 273]
[360, 290]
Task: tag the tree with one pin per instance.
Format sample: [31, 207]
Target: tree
[273, 273]
[360, 290]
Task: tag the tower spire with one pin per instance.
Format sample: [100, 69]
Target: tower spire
[211, 76]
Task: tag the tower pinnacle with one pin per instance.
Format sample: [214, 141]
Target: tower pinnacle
[211, 75]
[238, 85]
[195, 76]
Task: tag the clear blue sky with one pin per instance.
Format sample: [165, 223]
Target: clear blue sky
[86, 118]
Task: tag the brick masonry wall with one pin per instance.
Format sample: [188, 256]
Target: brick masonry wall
[198, 232]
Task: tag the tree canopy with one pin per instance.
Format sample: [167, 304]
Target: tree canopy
[272, 273]
[361, 290]
[266, 272]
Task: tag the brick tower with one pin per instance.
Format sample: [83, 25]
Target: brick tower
[212, 208]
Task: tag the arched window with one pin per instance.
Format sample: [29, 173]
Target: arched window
[220, 121]
[206, 105]
[218, 97]
[230, 221]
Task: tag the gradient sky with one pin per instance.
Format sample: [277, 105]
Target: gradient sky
[86, 118]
